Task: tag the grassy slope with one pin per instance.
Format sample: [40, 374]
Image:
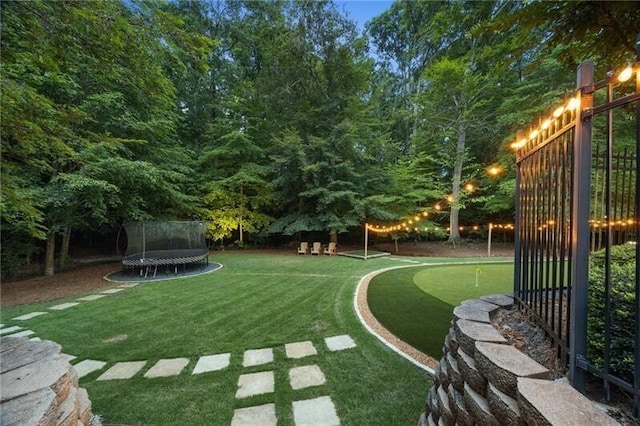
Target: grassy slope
[255, 301]
[417, 304]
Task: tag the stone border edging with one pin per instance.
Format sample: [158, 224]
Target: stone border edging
[374, 327]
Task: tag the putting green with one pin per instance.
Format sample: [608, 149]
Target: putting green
[416, 304]
[453, 284]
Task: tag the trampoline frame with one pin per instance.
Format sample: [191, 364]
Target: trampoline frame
[154, 259]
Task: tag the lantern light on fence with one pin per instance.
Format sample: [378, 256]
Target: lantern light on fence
[625, 74]
[573, 103]
[533, 134]
[545, 124]
[558, 112]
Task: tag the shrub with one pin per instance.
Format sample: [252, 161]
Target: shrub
[623, 310]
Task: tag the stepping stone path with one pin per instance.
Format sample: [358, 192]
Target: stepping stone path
[300, 349]
[315, 412]
[88, 366]
[167, 368]
[10, 330]
[209, 363]
[29, 316]
[113, 290]
[339, 343]
[122, 370]
[255, 384]
[318, 411]
[263, 415]
[254, 357]
[306, 376]
[25, 333]
[64, 306]
[92, 297]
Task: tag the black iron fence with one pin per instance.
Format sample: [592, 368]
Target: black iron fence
[577, 226]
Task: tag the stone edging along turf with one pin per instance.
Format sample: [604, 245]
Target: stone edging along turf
[374, 327]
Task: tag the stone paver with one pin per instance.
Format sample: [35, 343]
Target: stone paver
[112, 290]
[255, 384]
[300, 349]
[29, 316]
[306, 376]
[25, 333]
[254, 357]
[92, 297]
[263, 415]
[339, 343]
[35, 339]
[315, 412]
[167, 367]
[211, 363]
[88, 366]
[10, 329]
[128, 285]
[69, 357]
[122, 370]
[64, 306]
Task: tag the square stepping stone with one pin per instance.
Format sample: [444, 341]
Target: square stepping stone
[315, 412]
[64, 306]
[68, 357]
[257, 357]
[29, 316]
[88, 366]
[167, 367]
[36, 339]
[306, 376]
[300, 349]
[10, 329]
[122, 370]
[339, 343]
[212, 363]
[255, 384]
[128, 285]
[112, 290]
[92, 297]
[263, 415]
[25, 333]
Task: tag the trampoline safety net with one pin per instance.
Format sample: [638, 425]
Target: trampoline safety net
[165, 243]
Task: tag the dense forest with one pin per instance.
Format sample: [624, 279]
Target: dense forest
[276, 118]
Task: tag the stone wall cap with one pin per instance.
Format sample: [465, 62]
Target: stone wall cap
[558, 403]
[471, 313]
[509, 358]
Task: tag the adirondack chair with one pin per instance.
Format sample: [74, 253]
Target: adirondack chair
[317, 247]
[330, 250]
[304, 248]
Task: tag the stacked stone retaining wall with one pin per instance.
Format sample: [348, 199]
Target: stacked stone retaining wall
[483, 380]
[40, 387]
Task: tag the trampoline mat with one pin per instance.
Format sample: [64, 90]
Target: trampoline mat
[165, 257]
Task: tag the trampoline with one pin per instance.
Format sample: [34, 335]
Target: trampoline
[172, 244]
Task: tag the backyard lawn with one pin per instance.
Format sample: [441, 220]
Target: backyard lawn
[255, 301]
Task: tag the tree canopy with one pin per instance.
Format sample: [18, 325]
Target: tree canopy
[278, 117]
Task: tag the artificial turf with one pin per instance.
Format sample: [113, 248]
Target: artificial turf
[416, 304]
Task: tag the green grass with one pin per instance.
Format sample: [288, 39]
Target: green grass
[416, 304]
[255, 301]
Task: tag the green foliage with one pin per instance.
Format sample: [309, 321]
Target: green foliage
[624, 307]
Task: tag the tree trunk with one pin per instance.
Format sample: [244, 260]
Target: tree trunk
[454, 223]
[49, 255]
[241, 243]
[64, 251]
[333, 236]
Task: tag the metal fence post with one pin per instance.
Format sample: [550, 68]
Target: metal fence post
[580, 228]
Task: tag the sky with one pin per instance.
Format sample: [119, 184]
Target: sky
[362, 11]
